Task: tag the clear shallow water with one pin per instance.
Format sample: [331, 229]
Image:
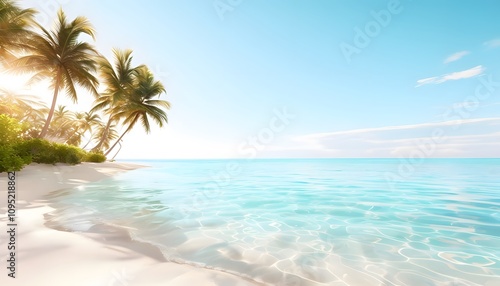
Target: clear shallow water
[309, 222]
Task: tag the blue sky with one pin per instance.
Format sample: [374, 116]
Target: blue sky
[356, 78]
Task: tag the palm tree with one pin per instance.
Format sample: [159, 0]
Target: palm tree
[119, 148]
[141, 104]
[62, 115]
[86, 122]
[111, 134]
[14, 24]
[60, 56]
[25, 108]
[35, 117]
[19, 105]
[62, 127]
[118, 79]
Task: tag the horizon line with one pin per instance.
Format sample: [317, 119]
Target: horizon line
[300, 158]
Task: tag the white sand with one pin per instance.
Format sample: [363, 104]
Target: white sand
[45, 256]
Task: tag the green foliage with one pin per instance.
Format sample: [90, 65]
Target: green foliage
[41, 151]
[95, 157]
[69, 154]
[45, 152]
[10, 159]
[15, 153]
[9, 130]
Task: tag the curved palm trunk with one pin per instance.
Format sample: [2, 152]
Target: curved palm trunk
[112, 159]
[45, 128]
[117, 141]
[104, 135]
[90, 140]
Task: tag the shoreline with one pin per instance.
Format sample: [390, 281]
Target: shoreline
[104, 255]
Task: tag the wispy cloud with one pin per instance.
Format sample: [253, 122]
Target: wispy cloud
[475, 71]
[456, 56]
[399, 127]
[495, 43]
[476, 137]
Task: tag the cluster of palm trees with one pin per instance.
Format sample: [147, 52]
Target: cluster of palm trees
[129, 94]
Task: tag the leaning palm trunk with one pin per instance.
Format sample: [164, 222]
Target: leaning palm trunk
[120, 148]
[103, 138]
[119, 139]
[45, 128]
[90, 140]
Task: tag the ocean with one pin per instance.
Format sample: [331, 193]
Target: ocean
[307, 221]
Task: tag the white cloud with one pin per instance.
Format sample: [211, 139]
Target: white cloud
[472, 72]
[398, 127]
[495, 43]
[477, 137]
[427, 80]
[456, 56]
[463, 74]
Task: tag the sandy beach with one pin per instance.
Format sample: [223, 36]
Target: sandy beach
[107, 257]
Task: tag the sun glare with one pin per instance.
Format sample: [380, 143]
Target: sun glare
[18, 84]
[13, 83]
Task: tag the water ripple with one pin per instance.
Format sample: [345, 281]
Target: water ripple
[308, 222]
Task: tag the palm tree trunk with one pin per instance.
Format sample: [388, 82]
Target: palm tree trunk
[90, 140]
[104, 135]
[111, 148]
[112, 159]
[45, 128]
[132, 122]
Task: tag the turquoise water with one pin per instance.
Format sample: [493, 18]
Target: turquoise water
[309, 222]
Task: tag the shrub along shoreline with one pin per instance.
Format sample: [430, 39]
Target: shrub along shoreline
[16, 152]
